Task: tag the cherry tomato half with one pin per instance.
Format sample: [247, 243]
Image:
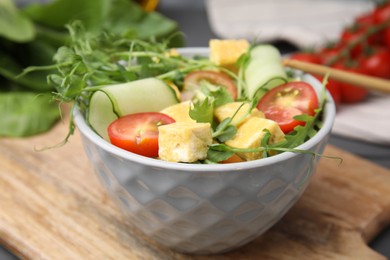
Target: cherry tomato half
[284, 102]
[138, 133]
[193, 79]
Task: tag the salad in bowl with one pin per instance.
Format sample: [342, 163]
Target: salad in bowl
[231, 102]
[204, 149]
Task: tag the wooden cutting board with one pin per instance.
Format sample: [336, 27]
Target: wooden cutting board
[53, 207]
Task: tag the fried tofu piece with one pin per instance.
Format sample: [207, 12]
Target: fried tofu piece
[225, 53]
[179, 112]
[228, 110]
[250, 134]
[184, 141]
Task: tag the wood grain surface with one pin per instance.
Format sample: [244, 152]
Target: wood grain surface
[53, 207]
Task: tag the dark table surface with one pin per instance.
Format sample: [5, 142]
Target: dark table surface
[192, 19]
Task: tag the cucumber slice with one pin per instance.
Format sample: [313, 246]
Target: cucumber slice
[114, 101]
[266, 52]
[265, 64]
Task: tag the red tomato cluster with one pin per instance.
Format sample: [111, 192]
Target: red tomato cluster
[363, 47]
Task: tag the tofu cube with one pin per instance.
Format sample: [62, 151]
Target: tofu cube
[228, 110]
[179, 112]
[226, 52]
[250, 134]
[184, 141]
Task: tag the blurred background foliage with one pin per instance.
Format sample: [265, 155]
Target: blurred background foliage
[32, 31]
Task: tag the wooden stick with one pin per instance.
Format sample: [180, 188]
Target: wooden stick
[368, 82]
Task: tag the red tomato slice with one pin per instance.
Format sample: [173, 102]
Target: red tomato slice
[193, 79]
[284, 102]
[138, 133]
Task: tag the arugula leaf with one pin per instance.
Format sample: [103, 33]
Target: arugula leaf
[217, 155]
[225, 131]
[301, 133]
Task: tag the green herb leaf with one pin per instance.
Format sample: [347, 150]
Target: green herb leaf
[202, 111]
[228, 133]
[300, 133]
[219, 94]
[218, 153]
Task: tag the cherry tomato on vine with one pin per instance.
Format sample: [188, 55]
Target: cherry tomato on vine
[382, 13]
[353, 33]
[138, 133]
[376, 62]
[286, 101]
[350, 93]
[366, 19]
[386, 36]
[193, 80]
[306, 56]
[328, 53]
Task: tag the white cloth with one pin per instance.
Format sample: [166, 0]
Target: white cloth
[368, 121]
[306, 23]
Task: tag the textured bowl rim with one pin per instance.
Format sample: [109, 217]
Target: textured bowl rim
[329, 115]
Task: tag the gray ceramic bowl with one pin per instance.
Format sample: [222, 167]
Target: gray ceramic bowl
[204, 209]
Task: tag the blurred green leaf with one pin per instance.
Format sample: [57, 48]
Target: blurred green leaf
[60, 12]
[13, 24]
[13, 59]
[26, 113]
[126, 17]
[29, 37]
